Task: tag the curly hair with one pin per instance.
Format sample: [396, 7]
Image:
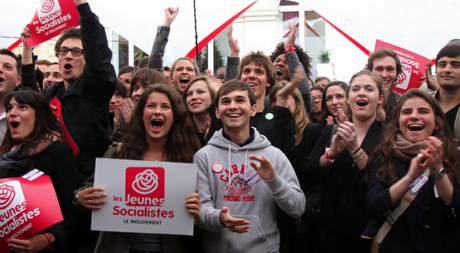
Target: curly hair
[451, 163]
[182, 142]
[304, 58]
[72, 33]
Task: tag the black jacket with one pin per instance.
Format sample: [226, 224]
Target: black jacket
[441, 228]
[342, 218]
[85, 104]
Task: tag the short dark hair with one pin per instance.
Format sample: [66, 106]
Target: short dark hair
[147, 76]
[233, 85]
[144, 62]
[46, 123]
[8, 52]
[380, 53]
[260, 59]
[127, 69]
[304, 58]
[43, 62]
[450, 51]
[320, 78]
[318, 88]
[72, 33]
[166, 68]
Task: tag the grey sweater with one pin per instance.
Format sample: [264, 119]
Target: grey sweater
[256, 203]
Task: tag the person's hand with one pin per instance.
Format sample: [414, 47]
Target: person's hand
[291, 38]
[32, 245]
[341, 117]
[330, 120]
[337, 145]
[233, 224]
[232, 43]
[283, 94]
[347, 132]
[214, 84]
[193, 204]
[430, 82]
[25, 34]
[91, 198]
[170, 15]
[418, 165]
[433, 153]
[266, 170]
[126, 110]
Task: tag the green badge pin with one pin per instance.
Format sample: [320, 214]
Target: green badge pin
[269, 116]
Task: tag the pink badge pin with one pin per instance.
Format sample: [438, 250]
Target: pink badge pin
[217, 167]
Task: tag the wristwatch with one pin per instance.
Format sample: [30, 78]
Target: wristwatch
[441, 173]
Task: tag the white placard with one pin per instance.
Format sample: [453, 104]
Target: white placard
[144, 197]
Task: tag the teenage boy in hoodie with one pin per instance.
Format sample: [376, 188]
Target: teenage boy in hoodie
[238, 209]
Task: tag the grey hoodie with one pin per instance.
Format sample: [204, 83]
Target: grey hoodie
[256, 203]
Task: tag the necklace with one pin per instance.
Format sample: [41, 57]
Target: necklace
[151, 157]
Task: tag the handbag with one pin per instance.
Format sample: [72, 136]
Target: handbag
[314, 195]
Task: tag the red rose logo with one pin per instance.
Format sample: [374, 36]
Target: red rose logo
[7, 195]
[146, 182]
[47, 6]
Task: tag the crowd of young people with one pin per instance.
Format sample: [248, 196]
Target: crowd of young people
[263, 134]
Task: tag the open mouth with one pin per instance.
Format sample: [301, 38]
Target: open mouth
[362, 103]
[68, 66]
[2, 79]
[157, 124]
[252, 85]
[14, 125]
[279, 72]
[184, 80]
[233, 115]
[415, 128]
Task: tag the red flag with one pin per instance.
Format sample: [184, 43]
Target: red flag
[52, 17]
[67, 136]
[26, 208]
[413, 67]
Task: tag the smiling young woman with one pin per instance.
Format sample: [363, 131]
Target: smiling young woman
[340, 167]
[418, 139]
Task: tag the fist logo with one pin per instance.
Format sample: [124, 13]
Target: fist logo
[7, 195]
[145, 182]
[47, 6]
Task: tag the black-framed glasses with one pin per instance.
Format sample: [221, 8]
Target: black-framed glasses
[319, 97]
[63, 51]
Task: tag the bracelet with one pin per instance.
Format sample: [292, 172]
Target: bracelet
[359, 157]
[291, 48]
[329, 159]
[48, 237]
[356, 151]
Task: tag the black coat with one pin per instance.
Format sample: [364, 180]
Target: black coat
[85, 104]
[342, 217]
[441, 227]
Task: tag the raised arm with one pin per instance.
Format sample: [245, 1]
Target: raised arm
[100, 78]
[29, 78]
[161, 39]
[233, 61]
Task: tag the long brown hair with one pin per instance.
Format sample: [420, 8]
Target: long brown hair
[301, 118]
[387, 171]
[182, 142]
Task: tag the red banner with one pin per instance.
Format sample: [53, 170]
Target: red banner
[50, 19]
[67, 137]
[26, 208]
[413, 67]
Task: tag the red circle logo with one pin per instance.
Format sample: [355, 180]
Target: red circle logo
[7, 195]
[146, 182]
[47, 6]
[400, 79]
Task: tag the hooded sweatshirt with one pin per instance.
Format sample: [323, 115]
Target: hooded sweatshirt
[221, 168]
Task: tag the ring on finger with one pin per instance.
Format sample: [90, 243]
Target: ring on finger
[89, 201]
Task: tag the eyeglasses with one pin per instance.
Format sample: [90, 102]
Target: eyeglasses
[63, 51]
[320, 97]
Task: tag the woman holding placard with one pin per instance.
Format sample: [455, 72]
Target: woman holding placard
[159, 130]
[33, 139]
[416, 172]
